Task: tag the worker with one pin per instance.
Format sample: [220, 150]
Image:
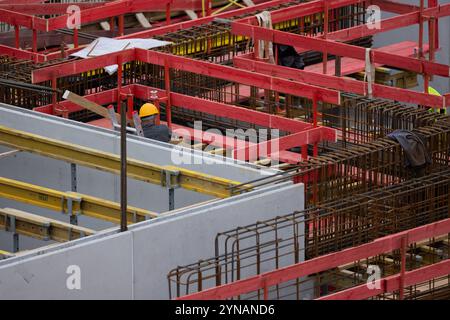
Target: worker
[148, 114]
[434, 92]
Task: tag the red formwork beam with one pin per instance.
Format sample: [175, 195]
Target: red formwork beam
[47, 8]
[310, 136]
[302, 9]
[323, 263]
[394, 7]
[79, 66]
[189, 65]
[189, 24]
[339, 83]
[20, 1]
[21, 54]
[389, 24]
[308, 132]
[101, 98]
[102, 11]
[198, 104]
[24, 20]
[241, 76]
[340, 49]
[122, 7]
[392, 283]
[232, 112]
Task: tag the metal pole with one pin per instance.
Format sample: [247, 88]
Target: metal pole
[73, 188]
[123, 167]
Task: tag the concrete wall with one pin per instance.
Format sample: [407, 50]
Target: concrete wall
[134, 264]
[47, 172]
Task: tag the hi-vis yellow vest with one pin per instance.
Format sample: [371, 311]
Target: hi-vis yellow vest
[433, 91]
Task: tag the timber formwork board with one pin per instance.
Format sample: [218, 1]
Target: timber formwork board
[64, 202]
[109, 162]
[39, 227]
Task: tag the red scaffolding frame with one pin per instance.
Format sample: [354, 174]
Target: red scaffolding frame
[333, 260]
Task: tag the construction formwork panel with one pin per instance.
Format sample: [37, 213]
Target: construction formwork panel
[137, 260]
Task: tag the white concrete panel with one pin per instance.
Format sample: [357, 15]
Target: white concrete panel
[105, 272]
[112, 263]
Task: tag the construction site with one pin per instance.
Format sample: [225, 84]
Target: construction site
[225, 149]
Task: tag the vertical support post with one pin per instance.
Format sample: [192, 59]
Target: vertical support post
[316, 146]
[304, 152]
[421, 55]
[54, 87]
[338, 66]
[435, 23]
[112, 26]
[421, 29]
[171, 199]
[168, 17]
[431, 40]
[119, 83]
[73, 188]
[123, 169]
[121, 25]
[325, 34]
[17, 36]
[266, 290]
[130, 105]
[34, 45]
[208, 7]
[403, 246]
[75, 37]
[15, 242]
[167, 85]
[12, 228]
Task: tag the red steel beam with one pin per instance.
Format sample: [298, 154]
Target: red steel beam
[214, 108]
[21, 54]
[309, 136]
[110, 9]
[301, 10]
[392, 283]
[232, 112]
[101, 98]
[79, 66]
[190, 65]
[197, 104]
[24, 20]
[322, 263]
[121, 7]
[240, 76]
[394, 7]
[20, 1]
[48, 8]
[340, 49]
[188, 24]
[397, 22]
[339, 83]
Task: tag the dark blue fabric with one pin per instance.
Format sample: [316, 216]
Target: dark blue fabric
[157, 132]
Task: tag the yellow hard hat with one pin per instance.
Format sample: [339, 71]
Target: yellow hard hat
[433, 91]
[148, 110]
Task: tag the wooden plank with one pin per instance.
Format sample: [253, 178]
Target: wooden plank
[89, 105]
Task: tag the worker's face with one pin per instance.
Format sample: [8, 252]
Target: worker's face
[149, 120]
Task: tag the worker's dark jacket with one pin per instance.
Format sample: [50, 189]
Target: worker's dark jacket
[157, 132]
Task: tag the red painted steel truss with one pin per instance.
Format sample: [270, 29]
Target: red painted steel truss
[333, 260]
[252, 71]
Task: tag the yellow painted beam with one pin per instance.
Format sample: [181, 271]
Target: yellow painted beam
[140, 170]
[42, 228]
[5, 253]
[59, 201]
